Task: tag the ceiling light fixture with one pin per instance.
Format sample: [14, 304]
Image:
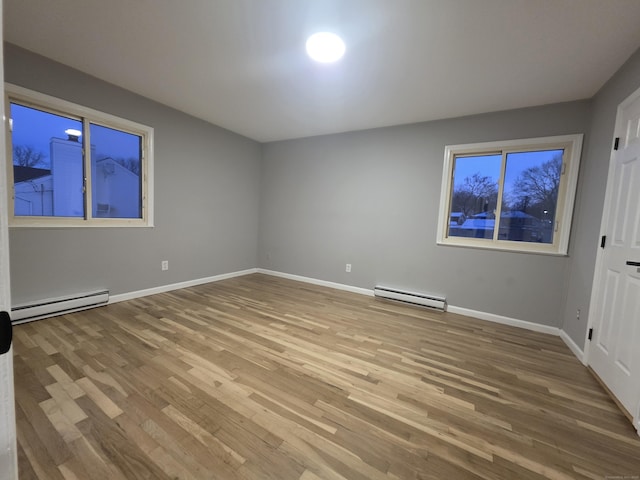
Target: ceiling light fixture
[325, 47]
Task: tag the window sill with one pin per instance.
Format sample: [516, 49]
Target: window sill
[505, 246]
[62, 224]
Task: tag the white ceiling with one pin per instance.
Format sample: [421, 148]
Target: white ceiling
[241, 64]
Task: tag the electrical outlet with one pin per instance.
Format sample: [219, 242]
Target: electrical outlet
[578, 314]
[165, 265]
[348, 268]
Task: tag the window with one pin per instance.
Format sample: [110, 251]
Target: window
[515, 195]
[73, 166]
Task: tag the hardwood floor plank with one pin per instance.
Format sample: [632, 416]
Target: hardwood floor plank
[99, 398]
[26, 469]
[37, 459]
[215, 447]
[109, 446]
[65, 403]
[65, 381]
[93, 465]
[260, 377]
[39, 436]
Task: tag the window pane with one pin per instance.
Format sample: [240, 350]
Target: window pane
[531, 184]
[47, 164]
[116, 166]
[474, 196]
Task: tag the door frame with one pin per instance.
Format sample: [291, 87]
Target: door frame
[597, 280]
[8, 445]
[8, 436]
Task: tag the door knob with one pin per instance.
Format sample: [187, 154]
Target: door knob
[6, 332]
[633, 264]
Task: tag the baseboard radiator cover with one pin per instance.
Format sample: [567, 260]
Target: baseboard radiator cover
[435, 302]
[31, 311]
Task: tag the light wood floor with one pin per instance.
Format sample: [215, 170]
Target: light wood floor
[263, 378]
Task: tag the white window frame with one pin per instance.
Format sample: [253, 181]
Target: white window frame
[47, 103]
[572, 146]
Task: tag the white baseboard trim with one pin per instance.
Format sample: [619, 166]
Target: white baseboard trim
[176, 286]
[315, 281]
[491, 317]
[458, 310]
[573, 346]
[514, 322]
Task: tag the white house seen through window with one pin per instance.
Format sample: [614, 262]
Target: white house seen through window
[75, 166]
[514, 195]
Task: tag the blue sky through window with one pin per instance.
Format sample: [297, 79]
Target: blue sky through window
[35, 128]
[489, 166]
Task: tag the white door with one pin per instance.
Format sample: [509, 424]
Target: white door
[8, 457]
[614, 352]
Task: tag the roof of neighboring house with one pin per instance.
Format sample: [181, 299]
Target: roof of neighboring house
[478, 224]
[507, 214]
[22, 174]
[484, 215]
[516, 214]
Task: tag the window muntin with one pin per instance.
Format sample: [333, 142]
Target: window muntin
[73, 166]
[515, 195]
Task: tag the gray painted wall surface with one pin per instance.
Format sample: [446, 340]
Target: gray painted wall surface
[207, 183]
[593, 182]
[371, 199]
[367, 198]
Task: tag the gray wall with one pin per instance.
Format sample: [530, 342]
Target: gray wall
[207, 183]
[371, 199]
[593, 180]
[367, 198]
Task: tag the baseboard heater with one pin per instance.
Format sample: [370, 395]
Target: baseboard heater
[57, 306]
[436, 302]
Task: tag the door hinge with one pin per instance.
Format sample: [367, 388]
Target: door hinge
[616, 143]
[590, 334]
[603, 241]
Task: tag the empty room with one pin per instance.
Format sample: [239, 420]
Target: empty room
[320, 239]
